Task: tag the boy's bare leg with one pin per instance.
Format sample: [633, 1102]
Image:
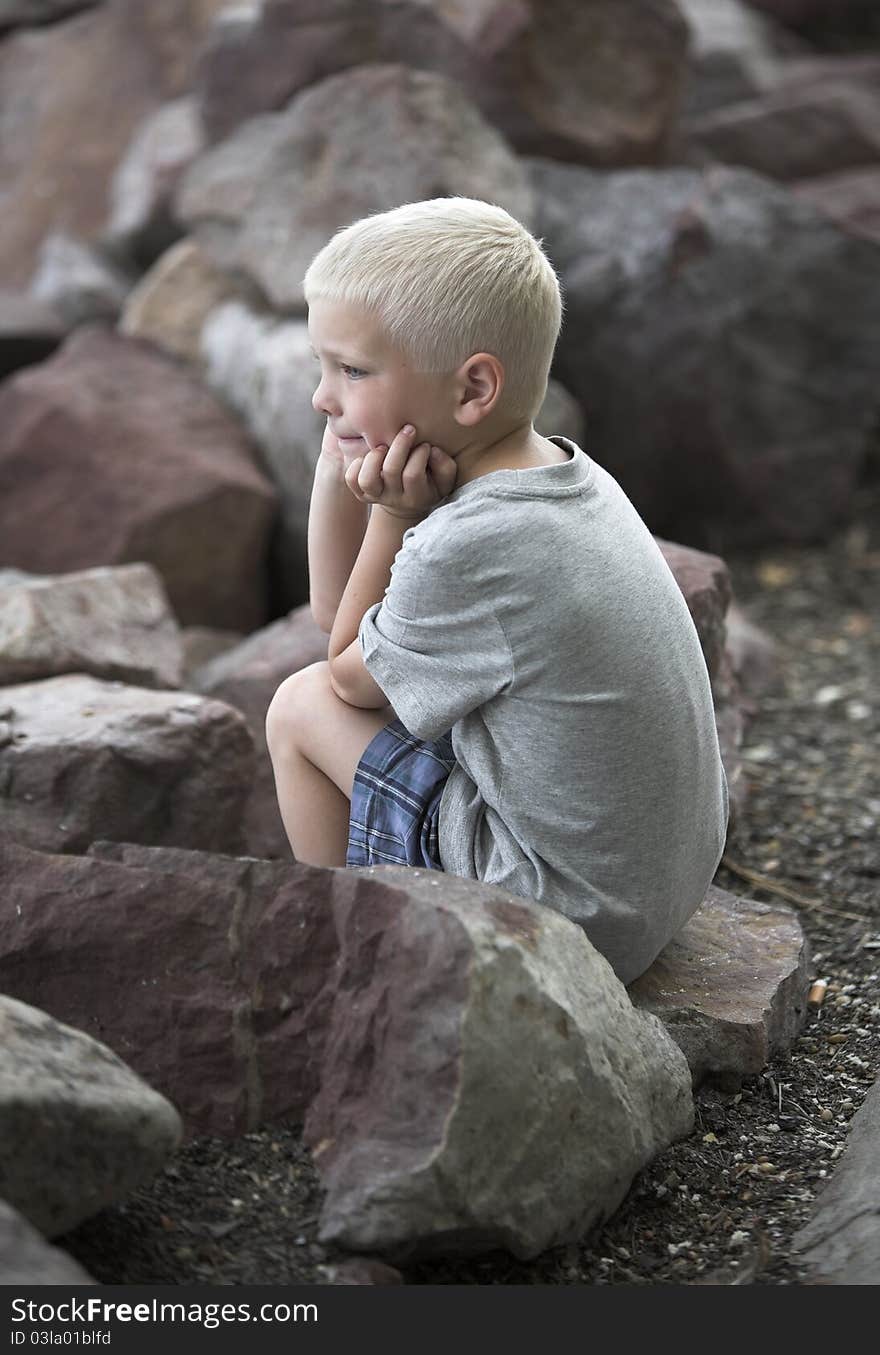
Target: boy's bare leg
[316, 741]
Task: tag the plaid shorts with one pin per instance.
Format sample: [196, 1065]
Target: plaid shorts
[395, 803]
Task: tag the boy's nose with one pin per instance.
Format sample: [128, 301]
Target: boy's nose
[322, 401]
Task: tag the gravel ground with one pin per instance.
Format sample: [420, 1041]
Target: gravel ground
[722, 1206]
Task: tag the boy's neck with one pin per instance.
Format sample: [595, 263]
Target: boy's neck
[516, 447]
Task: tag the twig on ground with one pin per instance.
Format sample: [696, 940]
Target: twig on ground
[774, 887]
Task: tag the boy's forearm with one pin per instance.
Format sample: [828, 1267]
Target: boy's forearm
[369, 578]
[337, 524]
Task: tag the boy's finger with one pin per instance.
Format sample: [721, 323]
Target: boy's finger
[370, 474]
[398, 453]
[417, 464]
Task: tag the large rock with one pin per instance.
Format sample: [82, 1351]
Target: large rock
[705, 583]
[83, 759]
[800, 13]
[174, 298]
[213, 969]
[722, 338]
[29, 331]
[71, 96]
[486, 1081]
[15, 13]
[247, 677]
[109, 453]
[588, 80]
[265, 370]
[26, 1258]
[817, 123]
[267, 199]
[112, 623]
[78, 1129]
[731, 988]
[141, 225]
[840, 1243]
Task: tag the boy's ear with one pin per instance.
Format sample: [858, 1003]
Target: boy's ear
[479, 383]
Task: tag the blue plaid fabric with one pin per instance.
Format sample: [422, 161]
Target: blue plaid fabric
[395, 804]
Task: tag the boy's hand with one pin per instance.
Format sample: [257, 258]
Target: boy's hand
[405, 479]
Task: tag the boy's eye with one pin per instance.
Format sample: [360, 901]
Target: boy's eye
[354, 373]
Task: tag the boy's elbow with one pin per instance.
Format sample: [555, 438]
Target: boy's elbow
[323, 617]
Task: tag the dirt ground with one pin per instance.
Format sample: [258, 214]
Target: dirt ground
[722, 1206]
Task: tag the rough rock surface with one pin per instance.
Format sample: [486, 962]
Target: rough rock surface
[84, 759]
[683, 290]
[247, 677]
[114, 623]
[213, 969]
[850, 197]
[731, 988]
[733, 54]
[267, 199]
[174, 298]
[560, 414]
[26, 1258]
[623, 64]
[486, 1082]
[78, 1129]
[127, 457]
[29, 331]
[841, 1241]
[14, 13]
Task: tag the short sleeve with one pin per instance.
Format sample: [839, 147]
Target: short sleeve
[435, 644]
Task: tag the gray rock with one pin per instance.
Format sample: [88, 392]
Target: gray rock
[560, 414]
[840, 1243]
[267, 199]
[86, 759]
[247, 677]
[28, 13]
[141, 224]
[201, 644]
[26, 1258]
[683, 290]
[264, 369]
[850, 197]
[78, 282]
[733, 54]
[731, 989]
[113, 623]
[486, 1081]
[78, 1129]
[362, 1270]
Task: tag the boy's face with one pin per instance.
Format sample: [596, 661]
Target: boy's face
[368, 391]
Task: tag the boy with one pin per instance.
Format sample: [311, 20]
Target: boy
[515, 691]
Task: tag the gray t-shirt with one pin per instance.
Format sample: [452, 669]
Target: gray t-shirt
[533, 614]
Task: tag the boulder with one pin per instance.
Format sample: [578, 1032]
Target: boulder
[264, 369]
[28, 13]
[112, 623]
[705, 583]
[685, 289]
[174, 298]
[267, 199]
[78, 1129]
[26, 1258]
[486, 1081]
[731, 988]
[560, 414]
[213, 969]
[29, 331]
[840, 1243]
[84, 759]
[800, 13]
[586, 80]
[247, 677]
[754, 657]
[141, 225]
[77, 282]
[109, 453]
[71, 96]
[201, 644]
[817, 123]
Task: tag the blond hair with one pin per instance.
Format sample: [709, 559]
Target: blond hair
[447, 278]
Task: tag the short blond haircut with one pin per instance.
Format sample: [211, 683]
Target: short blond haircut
[447, 278]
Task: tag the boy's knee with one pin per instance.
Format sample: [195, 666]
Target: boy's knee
[294, 702]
